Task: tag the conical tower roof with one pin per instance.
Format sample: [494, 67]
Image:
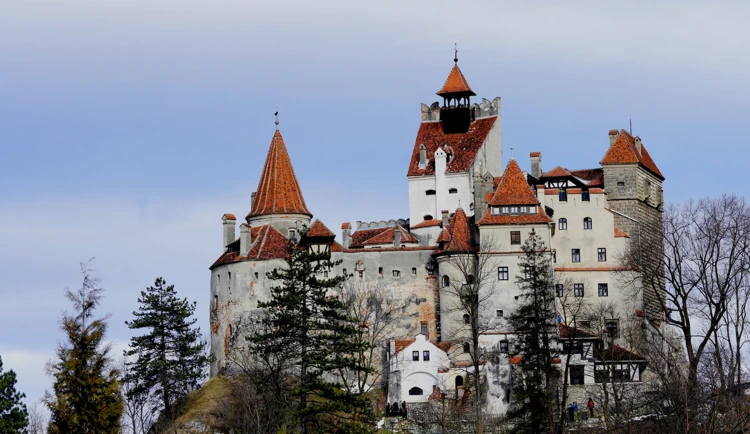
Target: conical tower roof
[278, 190]
[456, 84]
[513, 188]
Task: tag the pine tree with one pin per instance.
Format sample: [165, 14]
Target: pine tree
[86, 394]
[312, 327]
[13, 414]
[534, 323]
[169, 358]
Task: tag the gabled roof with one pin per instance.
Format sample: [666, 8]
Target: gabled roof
[513, 188]
[455, 83]
[520, 219]
[465, 146]
[360, 236]
[616, 353]
[318, 229]
[278, 190]
[267, 243]
[427, 224]
[593, 177]
[389, 237]
[444, 236]
[624, 151]
[568, 332]
[619, 233]
[557, 172]
[461, 239]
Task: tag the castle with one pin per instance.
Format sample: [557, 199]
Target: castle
[463, 203]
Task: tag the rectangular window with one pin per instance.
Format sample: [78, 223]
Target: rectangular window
[578, 289]
[504, 210]
[573, 347]
[503, 346]
[603, 290]
[325, 273]
[562, 195]
[361, 274]
[601, 375]
[613, 328]
[413, 271]
[426, 356]
[502, 273]
[495, 210]
[424, 329]
[256, 274]
[396, 274]
[559, 290]
[380, 271]
[415, 356]
[576, 374]
[515, 237]
[621, 374]
[585, 197]
[499, 313]
[601, 253]
[576, 255]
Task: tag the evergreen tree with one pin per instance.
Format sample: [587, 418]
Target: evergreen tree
[313, 329]
[13, 414]
[534, 323]
[169, 359]
[86, 393]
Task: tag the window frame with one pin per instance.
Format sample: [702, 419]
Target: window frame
[415, 356]
[605, 288]
[502, 271]
[562, 224]
[396, 274]
[575, 255]
[499, 313]
[601, 254]
[426, 356]
[579, 290]
[559, 290]
[515, 238]
[585, 196]
[580, 375]
[588, 224]
[562, 195]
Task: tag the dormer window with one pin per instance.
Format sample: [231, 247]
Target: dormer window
[504, 210]
[495, 210]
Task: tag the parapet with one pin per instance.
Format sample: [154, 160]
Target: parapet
[381, 224]
[484, 109]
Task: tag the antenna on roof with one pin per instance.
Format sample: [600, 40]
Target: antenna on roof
[455, 53]
[277, 118]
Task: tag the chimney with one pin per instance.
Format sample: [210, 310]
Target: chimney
[397, 237]
[422, 156]
[245, 239]
[536, 164]
[445, 218]
[638, 145]
[612, 136]
[346, 234]
[228, 221]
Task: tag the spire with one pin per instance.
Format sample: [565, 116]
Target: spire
[460, 234]
[513, 188]
[455, 85]
[278, 190]
[277, 118]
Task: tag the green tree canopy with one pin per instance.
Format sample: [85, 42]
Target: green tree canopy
[13, 414]
[86, 394]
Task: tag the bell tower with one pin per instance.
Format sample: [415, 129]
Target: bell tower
[456, 113]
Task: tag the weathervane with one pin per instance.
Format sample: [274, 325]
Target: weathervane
[455, 52]
[511, 153]
[277, 118]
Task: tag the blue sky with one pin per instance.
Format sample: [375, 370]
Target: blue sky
[128, 128]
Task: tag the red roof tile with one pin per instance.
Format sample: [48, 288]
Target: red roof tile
[336, 247]
[400, 344]
[360, 236]
[267, 243]
[229, 217]
[278, 190]
[465, 145]
[389, 237]
[572, 332]
[455, 83]
[444, 236]
[594, 177]
[461, 239]
[624, 151]
[523, 219]
[616, 353]
[346, 225]
[535, 154]
[513, 188]
[427, 224]
[619, 233]
[318, 229]
[557, 172]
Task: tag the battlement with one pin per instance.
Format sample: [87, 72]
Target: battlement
[381, 224]
[484, 109]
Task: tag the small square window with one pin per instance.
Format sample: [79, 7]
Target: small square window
[415, 356]
[325, 273]
[502, 273]
[603, 290]
[576, 255]
[396, 274]
[585, 196]
[559, 288]
[413, 271]
[426, 356]
[495, 210]
[578, 289]
[499, 313]
[514, 210]
[601, 253]
[515, 237]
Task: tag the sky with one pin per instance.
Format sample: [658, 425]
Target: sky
[127, 129]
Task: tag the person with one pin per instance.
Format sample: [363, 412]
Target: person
[404, 409]
[591, 407]
[570, 413]
[575, 411]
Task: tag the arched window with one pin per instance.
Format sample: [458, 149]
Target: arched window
[459, 381]
[452, 191]
[466, 318]
[467, 348]
[563, 224]
[587, 224]
[446, 281]
[430, 192]
[415, 391]
[427, 217]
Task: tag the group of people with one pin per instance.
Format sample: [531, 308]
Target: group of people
[573, 410]
[396, 410]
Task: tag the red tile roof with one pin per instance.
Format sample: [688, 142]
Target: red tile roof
[523, 219]
[346, 225]
[465, 145]
[444, 236]
[360, 236]
[427, 224]
[594, 177]
[267, 243]
[535, 154]
[557, 172]
[461, 239]
[619, 233]
[278, 190]
[400, 344]
[318, 229]
[513, 188]
[624, 151]
[389, 237]
[230, 217]
[455, 83]
[572, 332]
[616, 353]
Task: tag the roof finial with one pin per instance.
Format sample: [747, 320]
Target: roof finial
[455, 53]
[277, 118]
[511, 153]
[631, 126]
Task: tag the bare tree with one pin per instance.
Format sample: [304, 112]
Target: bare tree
[138, 415]
[37, 419]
